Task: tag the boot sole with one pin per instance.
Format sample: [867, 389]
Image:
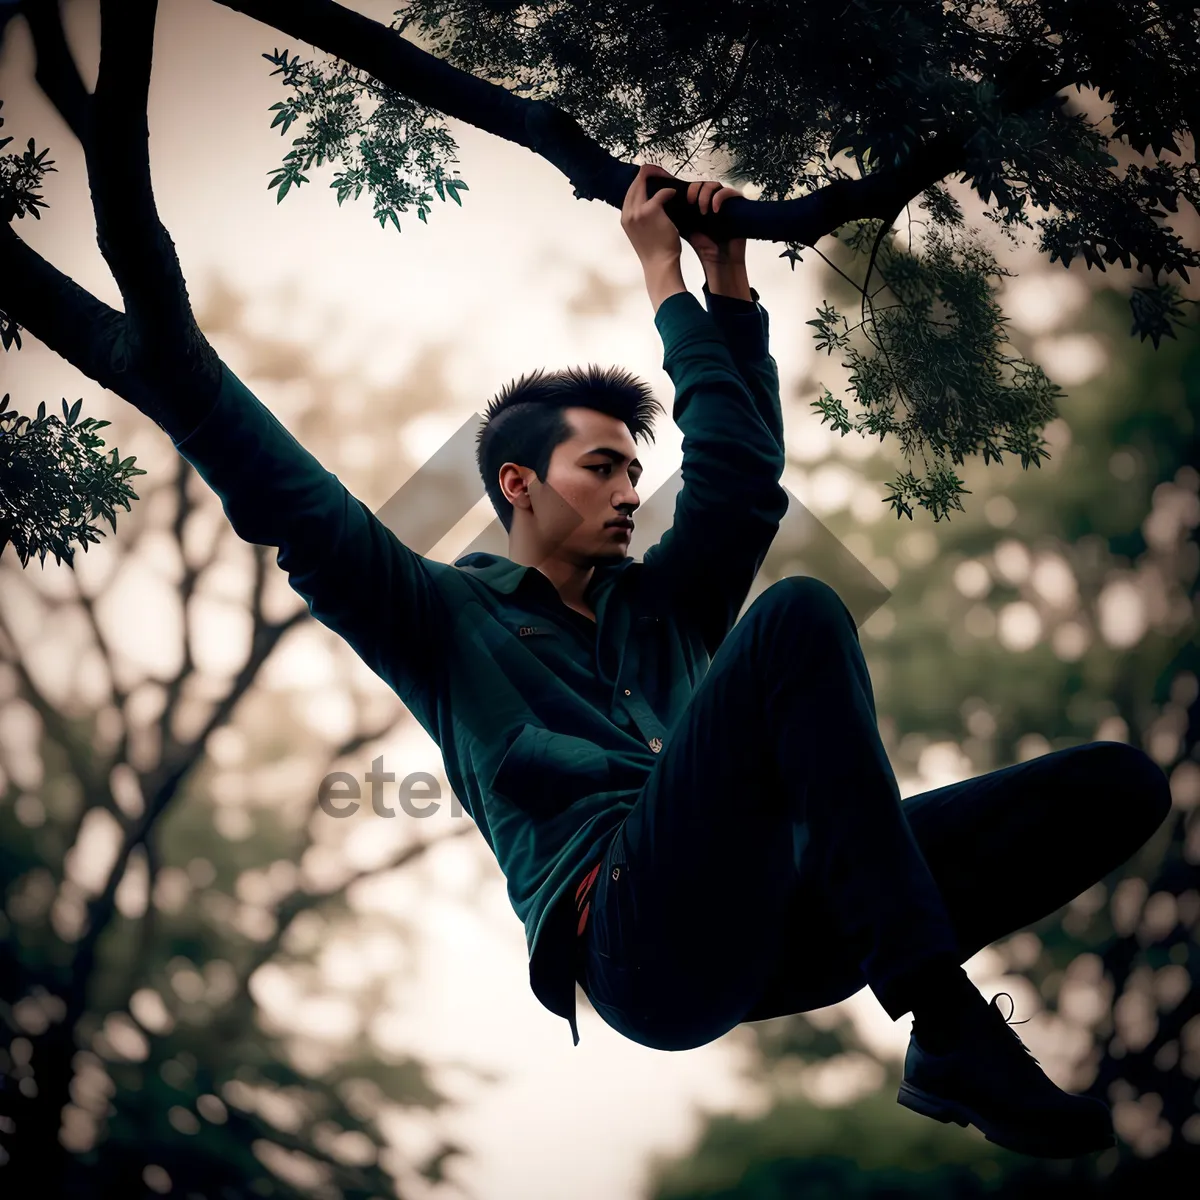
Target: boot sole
[1023, 1141]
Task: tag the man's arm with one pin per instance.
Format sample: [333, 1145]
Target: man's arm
[356, 576]
[730, 280]
[745, 326]
[727, 405]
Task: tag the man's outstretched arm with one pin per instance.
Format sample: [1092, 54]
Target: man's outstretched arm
[356, 576]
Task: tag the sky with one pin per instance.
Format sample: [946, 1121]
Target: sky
[522, 275]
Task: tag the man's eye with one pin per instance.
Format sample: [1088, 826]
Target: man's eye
[608, 467]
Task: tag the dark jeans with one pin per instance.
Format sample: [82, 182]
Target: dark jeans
[770, 867]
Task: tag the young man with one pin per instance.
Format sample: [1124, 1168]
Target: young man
[697, 821]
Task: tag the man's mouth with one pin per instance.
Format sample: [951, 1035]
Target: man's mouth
[622, 524]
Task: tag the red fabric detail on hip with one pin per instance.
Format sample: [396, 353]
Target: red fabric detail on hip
[582, 892]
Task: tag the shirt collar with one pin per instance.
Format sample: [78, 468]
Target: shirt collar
[500, 574]
[505, 576]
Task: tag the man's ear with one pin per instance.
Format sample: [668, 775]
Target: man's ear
[514, 483]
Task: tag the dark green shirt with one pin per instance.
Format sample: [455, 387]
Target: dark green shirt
[548, 723]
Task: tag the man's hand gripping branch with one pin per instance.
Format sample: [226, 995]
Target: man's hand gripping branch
[656, 240]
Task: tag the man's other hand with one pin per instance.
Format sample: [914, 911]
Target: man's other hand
[708, 195]
[651, 232]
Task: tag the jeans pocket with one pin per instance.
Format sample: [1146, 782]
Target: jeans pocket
[612, 951]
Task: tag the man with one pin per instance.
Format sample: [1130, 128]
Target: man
[697, 821]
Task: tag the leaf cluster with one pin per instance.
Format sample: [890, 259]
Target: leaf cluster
[387, 143]
[797, 95]
[932, 366]
[55, 481]
[20, 176]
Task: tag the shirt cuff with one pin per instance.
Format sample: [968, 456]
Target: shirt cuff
[744, 323]
[718, 303]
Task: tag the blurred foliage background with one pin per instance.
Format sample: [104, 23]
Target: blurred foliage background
[229, 952]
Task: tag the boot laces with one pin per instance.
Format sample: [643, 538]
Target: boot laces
[1009, 1022]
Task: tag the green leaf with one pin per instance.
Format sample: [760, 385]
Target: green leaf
[1156, 311]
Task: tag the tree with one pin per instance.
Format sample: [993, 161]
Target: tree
[53, 484]
[844, 117]
[137, 932]
[1118, 972]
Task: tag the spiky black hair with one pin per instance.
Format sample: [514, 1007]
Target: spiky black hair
[525, 421]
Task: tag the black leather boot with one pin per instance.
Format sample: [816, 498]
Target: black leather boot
[985, 1076]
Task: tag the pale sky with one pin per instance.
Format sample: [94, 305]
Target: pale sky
[491, 282]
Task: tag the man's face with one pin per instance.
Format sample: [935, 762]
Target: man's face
[591, 481]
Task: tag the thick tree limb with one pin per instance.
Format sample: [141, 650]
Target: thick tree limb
[597, 175]
[59, 313]
[93, 337]
[153, 355]
[164, 338]
[57, 73]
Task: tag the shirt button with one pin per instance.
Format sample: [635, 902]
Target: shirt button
[627, 692]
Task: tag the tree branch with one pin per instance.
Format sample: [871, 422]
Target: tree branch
[117, 695]
[187, 588]
[160, 789]
[155, 349]
[79, 755]
[163, 335]
[597, 175]
[133, 356]
[57, 73]
[137, 972]
[97, 339]
[60, 314]
[718, 110]
[298, 902]
[94, 338]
